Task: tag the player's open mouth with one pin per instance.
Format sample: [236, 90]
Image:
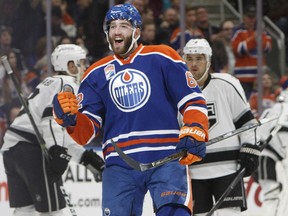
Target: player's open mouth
[118, 41]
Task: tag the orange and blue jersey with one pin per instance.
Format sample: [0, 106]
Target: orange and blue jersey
[244, 47]
[137, 101]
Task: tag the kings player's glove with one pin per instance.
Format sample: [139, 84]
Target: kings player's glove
[192, 139]
[94, 163]
[249, 158]
[58, 162]
[65, 107]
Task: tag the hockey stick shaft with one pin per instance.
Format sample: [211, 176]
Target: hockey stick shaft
[227, 191]
[38, 135]
[25, 106]
[239, 130]
[142, 167]
[241, 173]
[66, 197]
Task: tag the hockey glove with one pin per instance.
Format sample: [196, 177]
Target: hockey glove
[249, 158]
[65, 107]
[189, 137]
[94, 163]
[58, 163]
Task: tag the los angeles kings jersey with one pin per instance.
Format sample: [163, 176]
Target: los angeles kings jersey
[228, 110]
[137, 100]
[40, 107]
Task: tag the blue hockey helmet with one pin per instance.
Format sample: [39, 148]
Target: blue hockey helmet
[123, 12]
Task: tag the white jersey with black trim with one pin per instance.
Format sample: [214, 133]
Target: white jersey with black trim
[40, 107]
[228, 110]
[277, 147]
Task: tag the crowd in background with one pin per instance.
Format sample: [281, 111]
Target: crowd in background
[23, 39]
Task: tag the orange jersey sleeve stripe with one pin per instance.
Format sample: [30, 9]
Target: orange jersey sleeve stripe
[138, 141]
[83, 130]
[191, 103]
[192, 116]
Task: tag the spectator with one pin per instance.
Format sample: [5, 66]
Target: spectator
[158, 7]
[142, 7]
[203, 23]
[223, 60]
[191, 30]
[90, 23]
[8, 89]
[167, 25]
[67, 22]
[7, 11]
[148, 33]
[268, 95]
[28, 26]
[244, 44]
[56, 25]
[80, 42]
[6, 46]
[9, 101]
[278, 13]
[176, 5]
[65, 40]
[41, 64]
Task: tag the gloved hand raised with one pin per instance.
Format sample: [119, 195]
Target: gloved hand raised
[192, 139]
[249, 158]
[94, 163]
[58, 163]
[65, 107]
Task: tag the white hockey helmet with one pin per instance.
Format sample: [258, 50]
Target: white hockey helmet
[198, 46]
[65, 53]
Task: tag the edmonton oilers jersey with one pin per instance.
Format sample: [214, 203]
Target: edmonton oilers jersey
[136, 100]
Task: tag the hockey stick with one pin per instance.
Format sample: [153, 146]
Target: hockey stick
[24, 104]
[227, 191]
[241, 173]
[38, 135]
[145, 166]
[66, 197]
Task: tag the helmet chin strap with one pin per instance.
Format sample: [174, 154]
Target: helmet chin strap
[206, 71]
[134, 40]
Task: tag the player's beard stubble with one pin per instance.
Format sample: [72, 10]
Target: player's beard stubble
[120, 50]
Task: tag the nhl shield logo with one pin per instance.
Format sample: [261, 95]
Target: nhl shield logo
[130, 90]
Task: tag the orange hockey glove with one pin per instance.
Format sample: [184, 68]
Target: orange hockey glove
[65, 107]
[192, 138]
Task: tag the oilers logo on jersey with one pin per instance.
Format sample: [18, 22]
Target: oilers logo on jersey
[130, 90]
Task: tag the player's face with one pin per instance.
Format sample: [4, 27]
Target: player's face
[120, 36]
[196, 64]
[74, 69]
